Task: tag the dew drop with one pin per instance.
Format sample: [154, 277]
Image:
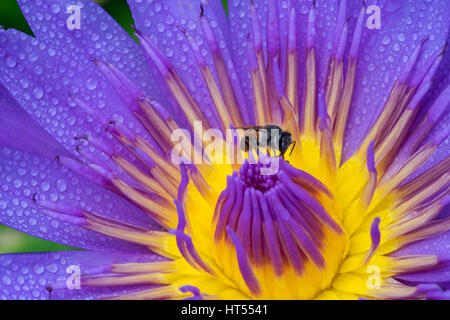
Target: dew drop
[169, 52]
[45, 186]
[55, 8]
[95, 37]
[23, 83]
[401, 36]
[160, 27]
[38, 70]
[32, 222]
[17, 183]
[52, 268]
[91, 84]
[61, 185]
[6, 280]
[103, 26]
[11, 61]
[191, 25]
[170, 19]
[38, 92]
[32, 57]
[5, 261]
[38, 269]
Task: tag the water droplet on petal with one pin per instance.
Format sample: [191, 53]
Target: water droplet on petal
[401, 36]
[38, 269]
[11, 61]
[61, 185]
[23, 83]
[45, 186]
[55, 8]
[91, 84]
[32, 222]
[6, 280]
[52, 268]
[38, 92]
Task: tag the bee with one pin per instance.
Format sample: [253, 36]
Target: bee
[270, 136]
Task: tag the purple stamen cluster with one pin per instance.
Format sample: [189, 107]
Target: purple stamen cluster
[250, 175]
[275, 219]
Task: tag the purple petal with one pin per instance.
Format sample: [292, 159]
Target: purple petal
[440, 274]
[32, 138]
[26, 276]
[100, 36]
[440, 154]
[22, 175]
[441, 81]
[240, 27]
[160, 21]
[40, 75]
[438, 245]
[41, 87]
[384, 53]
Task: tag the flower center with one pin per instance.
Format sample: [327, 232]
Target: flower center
[250, 175]
[283, 228]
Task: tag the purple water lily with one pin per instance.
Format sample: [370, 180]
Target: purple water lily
[356, 209]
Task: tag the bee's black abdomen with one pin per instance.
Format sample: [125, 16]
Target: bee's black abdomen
[245, 144]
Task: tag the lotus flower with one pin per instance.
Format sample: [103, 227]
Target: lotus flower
[355, 210]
